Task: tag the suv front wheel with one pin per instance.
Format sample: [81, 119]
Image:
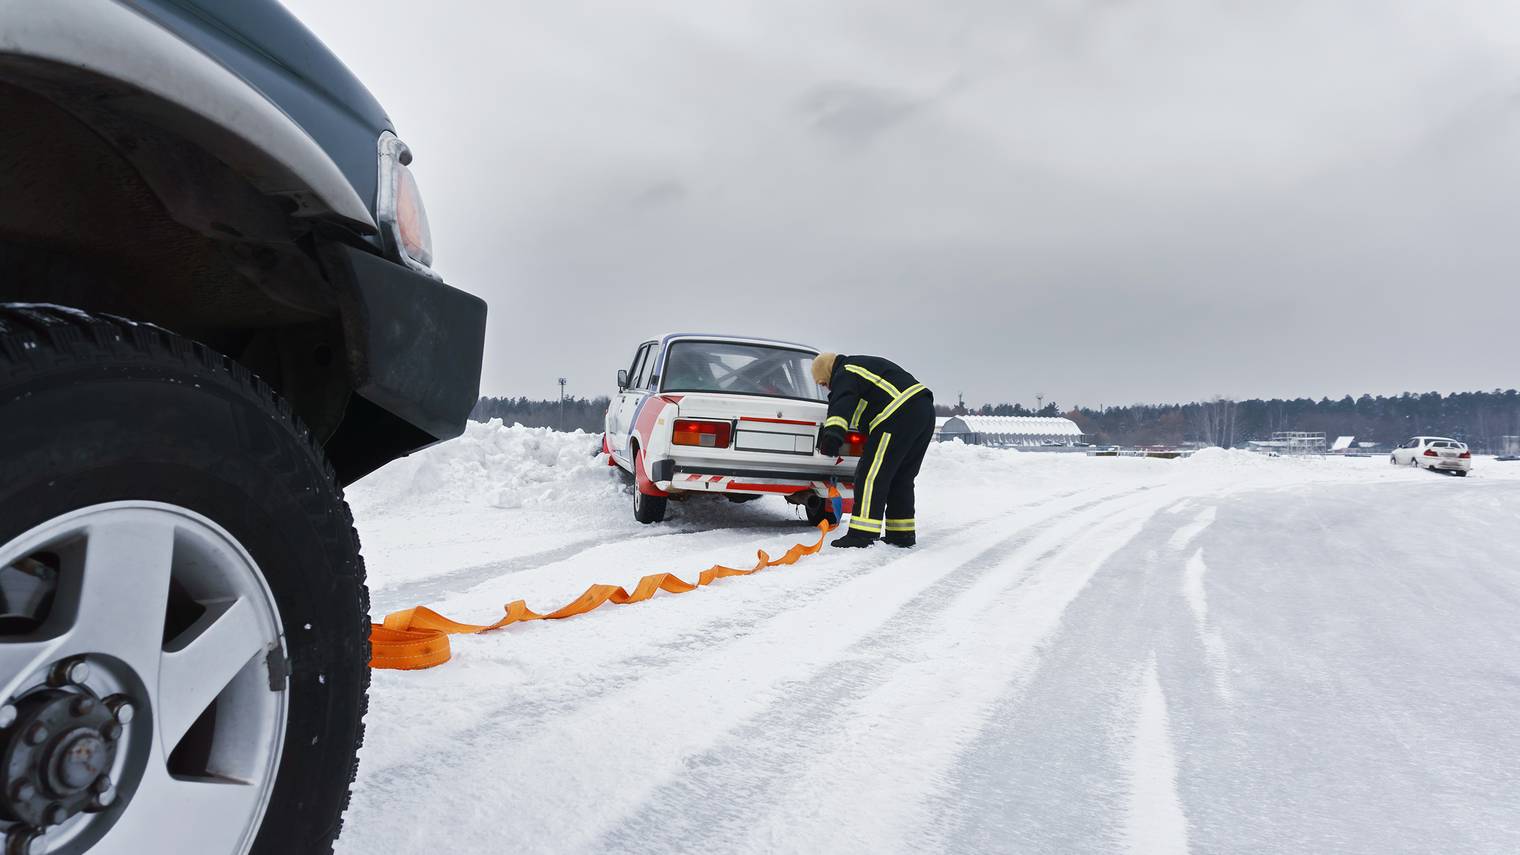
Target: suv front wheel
[183, 618]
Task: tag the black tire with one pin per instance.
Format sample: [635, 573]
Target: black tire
[1460, 473]
[648, 509]
[100, 409]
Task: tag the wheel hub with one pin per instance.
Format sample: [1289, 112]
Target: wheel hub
[56, 756]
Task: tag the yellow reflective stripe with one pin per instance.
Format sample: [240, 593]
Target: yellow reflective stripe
[866, 520]
[881, 452]
[874, 378]
[862, 525]
[899, 525]
[836, 421]
[896, 402]
[860, 410]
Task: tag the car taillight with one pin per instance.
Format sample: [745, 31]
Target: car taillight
[1466, 455]
[1431, 452]
[855, 443]
[701, 433]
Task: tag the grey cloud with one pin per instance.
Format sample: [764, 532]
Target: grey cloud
[660, 194]
[853, 113]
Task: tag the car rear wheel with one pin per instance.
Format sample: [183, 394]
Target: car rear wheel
[184, 634]
[647, 507]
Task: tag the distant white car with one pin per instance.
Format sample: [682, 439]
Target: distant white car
[1437, 453]
[724, 416]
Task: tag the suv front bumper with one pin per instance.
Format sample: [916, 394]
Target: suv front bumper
[414, 350]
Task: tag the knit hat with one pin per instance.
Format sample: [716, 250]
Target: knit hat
[823, 367]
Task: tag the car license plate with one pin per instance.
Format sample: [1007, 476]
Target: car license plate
[785, 443]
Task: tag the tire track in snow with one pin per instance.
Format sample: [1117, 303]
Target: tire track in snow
[613, 768]
[534, 702]
[721, 626]
[1215, 652]
[908, 733]
[1188, 533]
[434, 588]
[1048, 771]
[1154, 821]
[743, 774]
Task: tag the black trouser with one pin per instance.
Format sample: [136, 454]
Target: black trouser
[888, 466]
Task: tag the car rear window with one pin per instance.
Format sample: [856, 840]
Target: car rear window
[740, 369]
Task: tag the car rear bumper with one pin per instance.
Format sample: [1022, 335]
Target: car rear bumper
[672, 475]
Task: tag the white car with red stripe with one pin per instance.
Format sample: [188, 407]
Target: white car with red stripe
[724, 416]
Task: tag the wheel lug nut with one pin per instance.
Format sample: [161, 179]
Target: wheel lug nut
[104, 800]
[37, 734]
[82, 706]
[56, 815]
[121, 707]
[7, 715]
[111, 731]
[74, 671]
[24, 791]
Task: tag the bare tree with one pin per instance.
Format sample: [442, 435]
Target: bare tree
[1216, 422]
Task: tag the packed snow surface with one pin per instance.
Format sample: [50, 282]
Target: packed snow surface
[1228, 653]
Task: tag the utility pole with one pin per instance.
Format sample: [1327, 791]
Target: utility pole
[562, 404]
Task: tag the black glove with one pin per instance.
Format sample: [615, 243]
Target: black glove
[830, 441]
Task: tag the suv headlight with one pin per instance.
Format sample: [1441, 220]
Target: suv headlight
[402, 217]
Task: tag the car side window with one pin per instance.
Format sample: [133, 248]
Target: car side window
[641, 380]
[639, 358]
[648, 378]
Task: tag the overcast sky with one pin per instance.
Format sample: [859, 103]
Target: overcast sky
[1107, 201]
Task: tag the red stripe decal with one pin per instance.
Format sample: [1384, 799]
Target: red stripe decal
[769, 488]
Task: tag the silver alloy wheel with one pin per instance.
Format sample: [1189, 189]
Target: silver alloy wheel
[130, 573]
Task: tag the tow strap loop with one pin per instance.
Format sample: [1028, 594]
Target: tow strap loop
[418, 637]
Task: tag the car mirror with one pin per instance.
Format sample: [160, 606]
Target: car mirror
[622, 379]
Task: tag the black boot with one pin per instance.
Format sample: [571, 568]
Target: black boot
[854, 540]
[903, 539]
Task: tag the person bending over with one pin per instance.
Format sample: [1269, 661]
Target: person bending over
[896, 413]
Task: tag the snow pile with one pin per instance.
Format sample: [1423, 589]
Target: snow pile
[1239, 460]
[491, 464]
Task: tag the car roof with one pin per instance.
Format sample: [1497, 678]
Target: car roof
[738, 339]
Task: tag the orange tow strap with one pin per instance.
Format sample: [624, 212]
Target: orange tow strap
[418, 637]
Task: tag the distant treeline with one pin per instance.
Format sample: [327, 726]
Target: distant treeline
[1477, 418]
[584, 413]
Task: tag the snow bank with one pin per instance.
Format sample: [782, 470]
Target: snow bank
[498, 466]
[491, 464]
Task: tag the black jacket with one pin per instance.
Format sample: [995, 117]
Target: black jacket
[864, 392]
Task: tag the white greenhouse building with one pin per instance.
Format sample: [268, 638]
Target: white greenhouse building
[1010, 431]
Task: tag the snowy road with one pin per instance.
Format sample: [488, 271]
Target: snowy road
[1224, 654]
